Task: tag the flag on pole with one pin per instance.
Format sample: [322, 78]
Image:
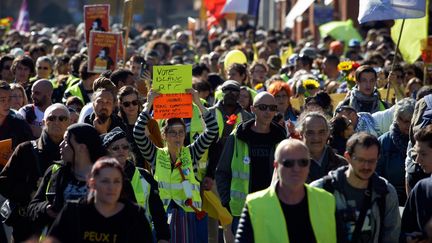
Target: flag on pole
[373, 10]
[23, 22]
[297, 10]
[414, 31]
[214, 11]
[249, 7]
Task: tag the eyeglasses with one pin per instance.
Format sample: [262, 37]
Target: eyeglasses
[289, 163]
[44, 68]
[59, 118]
[264, 107]
[128, 103]
[365, 161]
[118, 147]
[176, 134]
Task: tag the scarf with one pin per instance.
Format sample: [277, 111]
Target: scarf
[361, 102]
[400, 140]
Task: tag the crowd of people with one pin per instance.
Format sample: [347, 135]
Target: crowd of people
[88, 162]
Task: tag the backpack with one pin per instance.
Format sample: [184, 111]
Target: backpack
[328, 186]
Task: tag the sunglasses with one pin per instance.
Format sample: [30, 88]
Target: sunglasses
[128, 103]
[289, 163]
[264, 107]
[118, 147]
[59, 118]
[44, 68]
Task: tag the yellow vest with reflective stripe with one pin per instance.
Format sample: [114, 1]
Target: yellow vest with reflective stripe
[75, 91]
[141, 190]
[240, 176]
[268, 221]
[220, 121]
[170, 181]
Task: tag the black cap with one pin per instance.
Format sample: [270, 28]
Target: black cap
[116, 134]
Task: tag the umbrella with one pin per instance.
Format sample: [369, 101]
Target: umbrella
[340, 30]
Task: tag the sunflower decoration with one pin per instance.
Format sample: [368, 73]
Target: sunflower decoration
[345, 66]
[348, 69]
[259, 86]
[309, 85]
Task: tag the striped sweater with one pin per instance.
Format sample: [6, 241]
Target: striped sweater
[197, 148]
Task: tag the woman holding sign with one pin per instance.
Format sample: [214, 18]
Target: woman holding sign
[173, 165]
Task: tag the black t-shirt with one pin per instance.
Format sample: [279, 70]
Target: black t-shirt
[355, 199]
[261, 155]
[83, 223]
[298, 222]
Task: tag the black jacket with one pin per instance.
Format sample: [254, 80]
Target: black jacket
[16, 128]
[116, 121]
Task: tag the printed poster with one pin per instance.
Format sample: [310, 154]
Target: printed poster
[96, 18]
[103, 51]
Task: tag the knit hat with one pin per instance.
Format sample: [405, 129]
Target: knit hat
[230, 85]
[116, 134]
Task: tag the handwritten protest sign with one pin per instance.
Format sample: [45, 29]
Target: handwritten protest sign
[5, 151]
[96, 17]
[103, 51]
[173, 106]
[172, 79]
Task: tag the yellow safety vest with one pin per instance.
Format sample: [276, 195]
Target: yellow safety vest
[75, 90]
[240, 176]
[268, 221]
[220, 121]
[170, 181]
[141, 190]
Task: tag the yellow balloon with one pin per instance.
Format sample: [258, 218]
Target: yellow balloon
[234, 56]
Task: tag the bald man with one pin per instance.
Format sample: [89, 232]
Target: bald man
[246, 163]
[34, 113]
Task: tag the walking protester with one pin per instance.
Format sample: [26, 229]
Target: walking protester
[66, 181]
[282, 93]
[104, 216]
[44, 69]
[362, 121]
[315, 131]
[391, 164]
[364, 97]
[33, 113]
[246, 162]
[341, 130]
[5, 68]
[141, 187]
[11, 126]
[289, 210]
[23, 68]
[83, 88]
[367, 208]
[173, 165]
[417, 215]
[20, 177]
[18, 97]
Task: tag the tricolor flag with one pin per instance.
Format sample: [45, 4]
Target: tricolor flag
[23, 21]
[373, 10]
[249, 7]
[214, 11]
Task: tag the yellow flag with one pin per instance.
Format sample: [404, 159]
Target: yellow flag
[286, 54]
[414, 31]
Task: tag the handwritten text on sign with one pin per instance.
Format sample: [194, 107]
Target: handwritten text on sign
[173, 106]
[172, 79]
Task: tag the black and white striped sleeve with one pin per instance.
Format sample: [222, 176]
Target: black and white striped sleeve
[145, 145]
[205, 139]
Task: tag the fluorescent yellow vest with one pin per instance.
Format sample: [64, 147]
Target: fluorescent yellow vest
[197, 127]
[240, 176]
[141, 190]
[170, 181]
[268, 220]
[220, 121]
[75, 91]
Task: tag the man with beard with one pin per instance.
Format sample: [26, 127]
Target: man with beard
[367, 208]
[19, 178]
[33, 113]
[246, 162]
[103, 118]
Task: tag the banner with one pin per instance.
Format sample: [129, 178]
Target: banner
[373, 10]
[103, 51]
[172, 106]
[96, 18]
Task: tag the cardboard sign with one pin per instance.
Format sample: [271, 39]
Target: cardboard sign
[103, 51]
[5, 151]
[172, 106]
[172, 79]
[96, 18]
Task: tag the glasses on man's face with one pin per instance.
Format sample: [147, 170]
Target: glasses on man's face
[365, 161]
[118, 147]
[44, 68]
[129, 103]
[289, 163]
[176, 134]
[57, 118]
[264, 107]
